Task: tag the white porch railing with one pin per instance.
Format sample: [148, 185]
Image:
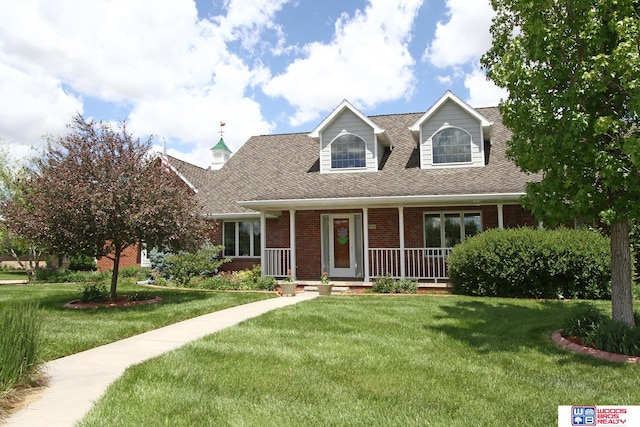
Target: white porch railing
[383, 261]
[420, 263]
[277, 262]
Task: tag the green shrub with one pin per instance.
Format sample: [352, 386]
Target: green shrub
[583, 322]
[266, 284]
[406, 286]
[383, 285]
[158, 259]
[134, 272]
[93, 292]
[184, 266]
[596, 330]
[21, 326]
[387, 285]
[532, 263]
[246, 280]
[64, 275]
[82, 263]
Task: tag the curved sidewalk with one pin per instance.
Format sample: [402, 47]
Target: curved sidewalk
[77, 381]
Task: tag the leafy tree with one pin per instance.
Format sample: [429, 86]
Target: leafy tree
[98, 191]
[10, 243]
[572, 69]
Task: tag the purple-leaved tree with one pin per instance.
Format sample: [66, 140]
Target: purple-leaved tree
[98, 191]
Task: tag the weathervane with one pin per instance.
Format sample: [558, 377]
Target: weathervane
[221, 131]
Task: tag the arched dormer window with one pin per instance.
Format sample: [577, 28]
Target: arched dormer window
[451, 145]
[348, 151]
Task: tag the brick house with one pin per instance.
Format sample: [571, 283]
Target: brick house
[360, 197]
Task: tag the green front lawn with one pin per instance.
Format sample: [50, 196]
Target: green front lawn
[373, 360]
[67, 331]
[13, 275]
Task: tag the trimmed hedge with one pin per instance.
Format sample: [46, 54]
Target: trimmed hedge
[532, 263]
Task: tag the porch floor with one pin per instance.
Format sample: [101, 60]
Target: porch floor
[360, 287]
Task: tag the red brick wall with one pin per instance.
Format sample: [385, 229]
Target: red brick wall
[278, 231]
[517, 216]
[130, 256]
[383, 228]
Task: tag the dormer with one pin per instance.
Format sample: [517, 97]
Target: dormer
[451, 134]
[349, 141]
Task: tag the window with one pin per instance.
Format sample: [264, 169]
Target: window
[451, 145]
[241, 238]
[445, 230]
[348, 151]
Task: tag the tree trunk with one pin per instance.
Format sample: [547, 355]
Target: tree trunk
[621, 298]
[114, 275]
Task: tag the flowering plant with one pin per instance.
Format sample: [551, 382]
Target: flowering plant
[325, 279]
[288, 279]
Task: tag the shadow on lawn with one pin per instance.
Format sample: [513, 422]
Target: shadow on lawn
[56, 301]
[492, 326]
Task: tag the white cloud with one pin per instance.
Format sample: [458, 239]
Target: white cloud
[445, 80]
[465, 37]
[176, 72]
[248, 20]
[32, 106]
[483, 92]
[367, 62]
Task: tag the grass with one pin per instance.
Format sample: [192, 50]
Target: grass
[13, 275]
[21, 326]
[373, 360]
[66, 331]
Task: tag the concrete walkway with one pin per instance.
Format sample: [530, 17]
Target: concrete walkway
[77, 381]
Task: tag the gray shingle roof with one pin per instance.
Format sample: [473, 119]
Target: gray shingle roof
[286, 167]
[197, 176]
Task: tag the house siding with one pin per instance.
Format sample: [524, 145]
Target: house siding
[353, 124]
[454, 115]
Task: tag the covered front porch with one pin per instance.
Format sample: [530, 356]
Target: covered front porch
[302, 242]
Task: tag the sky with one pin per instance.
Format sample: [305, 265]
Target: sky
[176, 69]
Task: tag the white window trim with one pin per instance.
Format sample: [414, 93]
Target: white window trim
[442, 230]
[252, 242]
[450, 164]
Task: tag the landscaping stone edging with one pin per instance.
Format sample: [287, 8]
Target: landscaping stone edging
[612, 357]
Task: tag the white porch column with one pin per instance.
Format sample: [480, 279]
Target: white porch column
[500, 216]
[365, 252]
[263, 242]
[401, 231]
[292, 242]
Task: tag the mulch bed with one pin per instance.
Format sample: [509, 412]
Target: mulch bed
[121, 301]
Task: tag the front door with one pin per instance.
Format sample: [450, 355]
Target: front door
[342, 245]
[342, 253]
